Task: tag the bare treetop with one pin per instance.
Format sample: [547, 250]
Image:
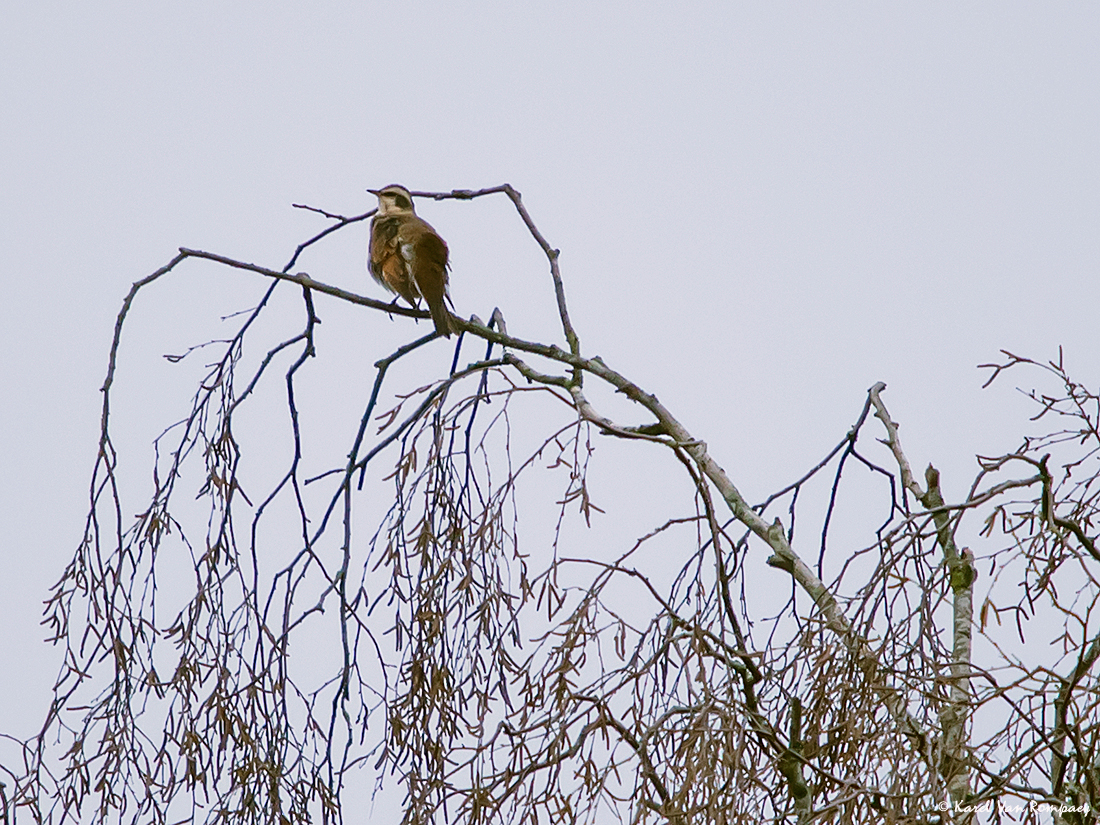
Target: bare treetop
[425, 611]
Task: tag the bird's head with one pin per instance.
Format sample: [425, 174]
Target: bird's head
[393, 200]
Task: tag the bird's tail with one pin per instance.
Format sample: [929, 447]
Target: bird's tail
[441, 318]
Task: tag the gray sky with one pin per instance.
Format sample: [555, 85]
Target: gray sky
[762, 210]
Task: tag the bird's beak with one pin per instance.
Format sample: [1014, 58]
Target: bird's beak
[373, 192]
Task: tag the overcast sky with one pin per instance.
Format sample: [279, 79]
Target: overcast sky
[763, 208]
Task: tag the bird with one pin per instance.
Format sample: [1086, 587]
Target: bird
[407, 256]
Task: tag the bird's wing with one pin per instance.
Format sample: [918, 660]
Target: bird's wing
[419, 240]
[426, 253]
